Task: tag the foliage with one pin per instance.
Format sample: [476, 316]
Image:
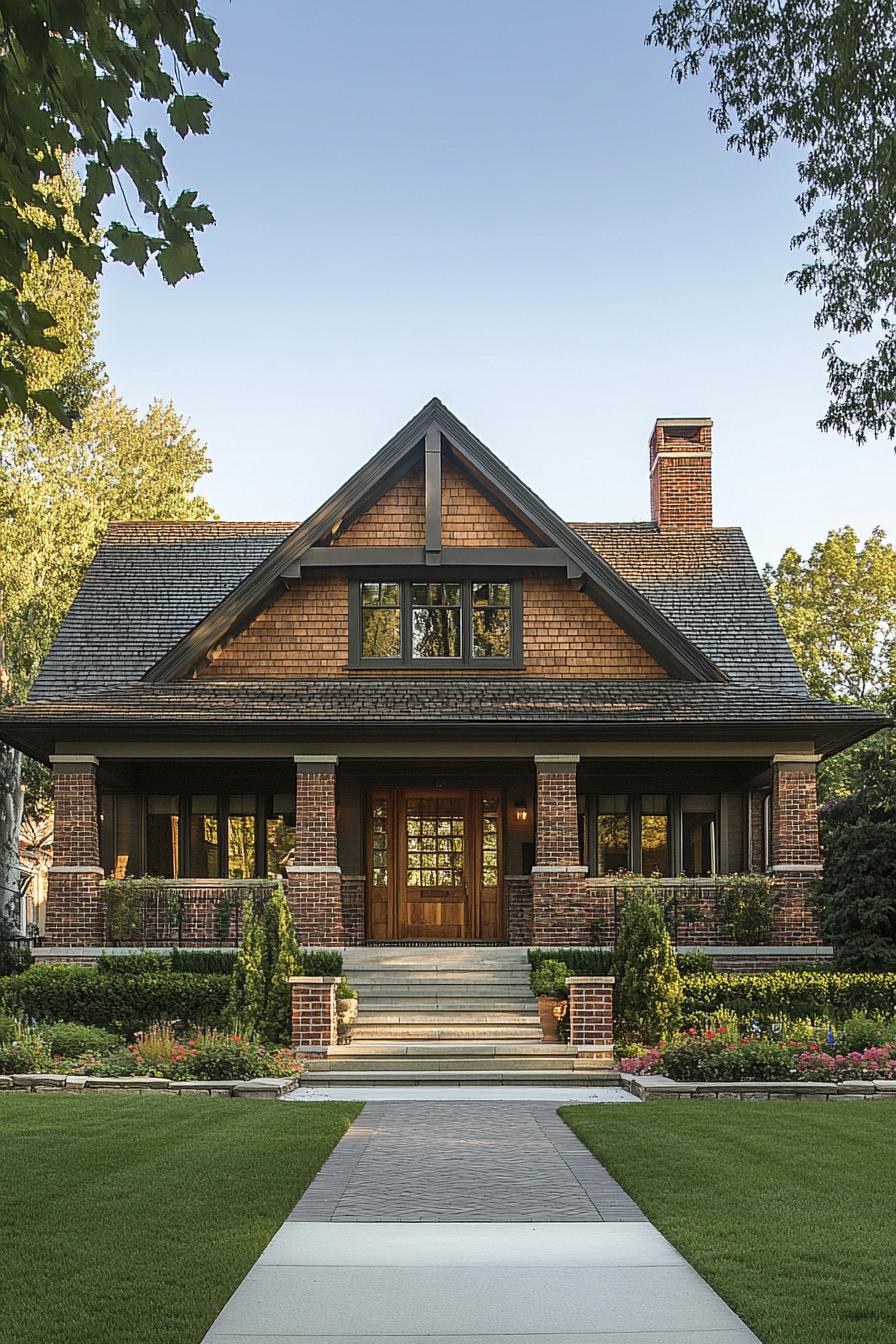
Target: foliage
[15, 952]
[747, 906]
[282, 959]
[767, 998]
[819, 74]
[648, 991]
[201, 962]
[322, 961]
[246, 1001]
[861, 1032]
[550, 979]
[578, 960]
[694, 963]
[196, 1053]
[126, 900]
[136, 963]
[23, 1049]
[121, 1003]
[73, 76]
[344, 990]
[69, 1039]
[856, 897]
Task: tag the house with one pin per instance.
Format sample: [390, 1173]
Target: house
[435, 710]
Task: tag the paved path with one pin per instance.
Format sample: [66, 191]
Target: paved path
[470, 1223]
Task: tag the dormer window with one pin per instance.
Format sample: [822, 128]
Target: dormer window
[424, 622]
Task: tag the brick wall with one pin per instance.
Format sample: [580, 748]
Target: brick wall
[556, 816]
[305, 634]
[681, 477]
[313, 1010]
[314, 881]
[794, 817]
[518, 905]
[591, 1013]
[354, 910]
[75, 912]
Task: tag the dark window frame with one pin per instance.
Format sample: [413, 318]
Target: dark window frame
[588, 811]
[406, 660]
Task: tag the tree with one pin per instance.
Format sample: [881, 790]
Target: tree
[647, 992]
[269, 953]
[71, 78]
[59, 489]
[820, 74]
[838, 610]
[856, 897]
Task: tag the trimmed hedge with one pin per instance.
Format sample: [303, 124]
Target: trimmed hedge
[579, 960]
[837, 995]
[124, 1003]
[322, 962]
[199, 961]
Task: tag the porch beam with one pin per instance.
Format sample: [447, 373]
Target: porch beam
[432, 458]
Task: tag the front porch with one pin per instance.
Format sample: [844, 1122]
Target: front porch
[510, 849]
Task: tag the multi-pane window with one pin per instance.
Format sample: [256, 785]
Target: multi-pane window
[435, 843]
[490, 810]
[655, 852]
[699, 831]
[381, 620]
[162, 834]
[380, 843]
[197, 836]
[612, 834]
[436, 621]
[491, 620]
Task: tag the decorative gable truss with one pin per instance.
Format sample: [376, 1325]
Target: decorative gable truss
[434, 501]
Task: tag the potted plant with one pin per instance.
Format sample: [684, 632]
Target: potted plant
[346, 1011]
[549, 987]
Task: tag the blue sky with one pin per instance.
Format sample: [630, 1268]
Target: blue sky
[508, 205]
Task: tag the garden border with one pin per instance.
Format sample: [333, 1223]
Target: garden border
[256, 1089]
[657, 1087]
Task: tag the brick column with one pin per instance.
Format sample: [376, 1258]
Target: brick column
[560, 908]
[591, 1013]
[313, 1010]
[314, 879]
[794, 839]
[75, 911]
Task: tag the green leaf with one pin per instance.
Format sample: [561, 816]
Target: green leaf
[178, 260]
[46, 397]
[131, 245]
[12, 387]
[189, 113]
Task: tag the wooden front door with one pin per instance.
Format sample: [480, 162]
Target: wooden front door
[434, 864]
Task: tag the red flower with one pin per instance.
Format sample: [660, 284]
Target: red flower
[235, 1038]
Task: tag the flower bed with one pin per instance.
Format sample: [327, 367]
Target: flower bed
[188, 1055]
[725, 1056]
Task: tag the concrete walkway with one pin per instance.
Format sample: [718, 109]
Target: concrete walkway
[470, 1222]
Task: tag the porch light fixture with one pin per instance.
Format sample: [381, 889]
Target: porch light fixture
[521, 808]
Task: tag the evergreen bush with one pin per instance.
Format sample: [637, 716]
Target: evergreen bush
[121, 1003]
[648, 989]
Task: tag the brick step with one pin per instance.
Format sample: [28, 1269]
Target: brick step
[457, 1078]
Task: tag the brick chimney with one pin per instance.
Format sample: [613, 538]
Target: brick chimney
[681, 474]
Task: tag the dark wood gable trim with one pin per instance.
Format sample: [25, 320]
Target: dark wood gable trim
[623, 603]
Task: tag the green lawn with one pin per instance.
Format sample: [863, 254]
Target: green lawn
[134, 1218]
[787, 1208]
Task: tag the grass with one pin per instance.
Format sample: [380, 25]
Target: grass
[136, 1217]
[787, 1209]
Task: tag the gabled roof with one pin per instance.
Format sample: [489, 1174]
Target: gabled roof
[615, 595]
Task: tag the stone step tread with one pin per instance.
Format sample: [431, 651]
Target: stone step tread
[472, 1065]
[596, 1077]
[482, 1049]
[413, 1033]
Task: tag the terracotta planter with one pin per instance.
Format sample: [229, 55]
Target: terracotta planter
[548, 1013]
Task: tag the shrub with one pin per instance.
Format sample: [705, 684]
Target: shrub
[648, 984]
[70, 1039]
[724, 1059]
[550, 978]
[206, 1055]
[862, 1032]
[117, 1063]
[856, 897]
[747, 906]
[122, 1003]
[818, 995]
[579, 960]
[344, 990]
[15, 952]
[281, 960]
[694, 963]
[200, 961]
[320, 961]
[247, 988]
[23, 1049]
[138, 963]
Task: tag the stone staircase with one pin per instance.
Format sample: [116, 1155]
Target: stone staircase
[447, 1016]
